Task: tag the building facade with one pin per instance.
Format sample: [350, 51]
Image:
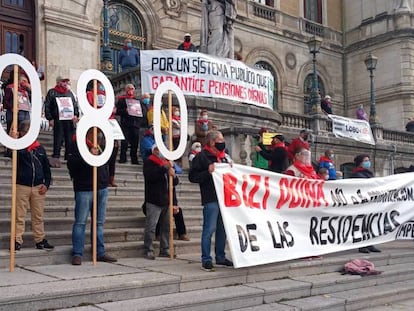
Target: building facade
[66, 38]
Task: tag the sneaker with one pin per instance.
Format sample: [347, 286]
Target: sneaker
[150, 256]
[107, 258]
[225, 263]
[44, 245]
[76, 260]
[184, 237]
[373, 249]
[207, 266]
[363, 250]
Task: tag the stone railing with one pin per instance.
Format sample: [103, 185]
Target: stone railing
[293, 120]
[313, 28]
[398, 136]
[263, 11]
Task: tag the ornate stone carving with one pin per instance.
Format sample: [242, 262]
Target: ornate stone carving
[172, 7]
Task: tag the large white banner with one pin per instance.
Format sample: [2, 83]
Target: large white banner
[355, 129]
[271, 217]
[204, 75]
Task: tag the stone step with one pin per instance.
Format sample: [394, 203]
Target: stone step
[63, 236]
[112, 222]
[133, 209]
[68, 199]
[180, 284]
[132, 250]
[124, 191]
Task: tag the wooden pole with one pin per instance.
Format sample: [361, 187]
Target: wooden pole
[14, 170]
[170, 178]
[95, 179]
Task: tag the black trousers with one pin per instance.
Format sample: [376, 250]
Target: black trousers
[131, 137]
[179, 224]
[63, 131]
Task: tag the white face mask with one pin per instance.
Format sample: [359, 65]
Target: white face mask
[326, 177]
[306, 154]
[198, 149]
[177, 113]
[205, 117]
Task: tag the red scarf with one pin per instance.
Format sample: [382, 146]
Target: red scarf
[157, 160]
[33, 146]
[125, 96]
[202, 121]
[279, 145]
[325, 159]
[186, 45]
[176, 118]
[20, 89]
[306, 170]
[60, 89]
[358, 169]
[218, 154]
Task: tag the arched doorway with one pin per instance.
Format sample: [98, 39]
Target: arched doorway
[307, 88]
[17, 34]
[124, 22]
[265, 65]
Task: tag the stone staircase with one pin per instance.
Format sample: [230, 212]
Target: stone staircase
[125, 222]
[46, 280]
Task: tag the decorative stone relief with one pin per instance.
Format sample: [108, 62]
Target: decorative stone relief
[172, 7]
[290, 60]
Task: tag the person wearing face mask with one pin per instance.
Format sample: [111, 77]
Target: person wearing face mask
[61, 109]
[132, 112]
[195, 149]
[128, 56]
[300, 141]
[156, 172]
[186, 45]
[363, 170]
[203, 126]
[327, 161]
[302, 165]
[201, 172]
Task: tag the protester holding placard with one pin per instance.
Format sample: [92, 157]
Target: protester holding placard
[277, 156]
[33, 181]
[61, 109]
[259, 161]
[23, 102]
[201, 170]
[133, 117]
[362, 170]
[81, 174]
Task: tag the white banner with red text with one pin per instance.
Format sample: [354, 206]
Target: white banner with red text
[355, 129]
[271, 217]
[204, 75]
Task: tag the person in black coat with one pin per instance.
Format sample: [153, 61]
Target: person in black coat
[201, 169]
[32, 183]
[156, 175]
[133, 117]
[278, 155]
[362, 170]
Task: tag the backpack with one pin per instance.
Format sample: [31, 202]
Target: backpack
[360, 267]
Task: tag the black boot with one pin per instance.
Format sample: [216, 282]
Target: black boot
[122, 158]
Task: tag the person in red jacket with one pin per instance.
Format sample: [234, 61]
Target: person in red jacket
[300, 141]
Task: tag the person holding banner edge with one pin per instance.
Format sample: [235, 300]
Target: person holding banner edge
[200, 172]
[362, 170]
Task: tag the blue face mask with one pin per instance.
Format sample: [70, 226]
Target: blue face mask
[146, 101]
[129, 44]
[366, 164]
[101, 88]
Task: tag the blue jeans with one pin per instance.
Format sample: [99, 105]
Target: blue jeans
[212, 223]
[83, 206]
